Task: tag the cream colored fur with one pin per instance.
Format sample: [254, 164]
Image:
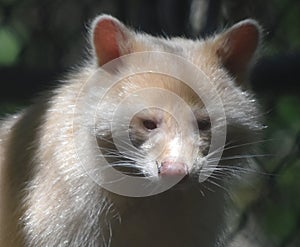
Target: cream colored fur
[47, 199]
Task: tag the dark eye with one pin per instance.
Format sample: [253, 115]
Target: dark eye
[204, 124]
[149, 124]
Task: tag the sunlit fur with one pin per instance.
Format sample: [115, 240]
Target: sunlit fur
[47, 199]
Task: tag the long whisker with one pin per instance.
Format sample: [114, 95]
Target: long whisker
[112, 151]
[218, 185]
[241, 157]
[247, 144]
[119, 141]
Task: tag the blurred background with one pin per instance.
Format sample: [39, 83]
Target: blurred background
[41, 40]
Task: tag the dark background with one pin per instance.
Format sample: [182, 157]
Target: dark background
[41, 40]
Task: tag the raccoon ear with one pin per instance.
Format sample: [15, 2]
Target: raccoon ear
[236, 47]
[110, 38]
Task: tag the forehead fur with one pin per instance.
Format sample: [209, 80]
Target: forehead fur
[164, 83]
[201, 52]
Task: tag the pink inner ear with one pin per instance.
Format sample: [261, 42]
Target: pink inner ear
[238, 48]
[106, 34]
[244, 42]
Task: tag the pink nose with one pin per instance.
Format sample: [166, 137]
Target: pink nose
[173, 168]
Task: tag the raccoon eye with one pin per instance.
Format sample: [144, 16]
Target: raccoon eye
[149, 124]
[204, 124]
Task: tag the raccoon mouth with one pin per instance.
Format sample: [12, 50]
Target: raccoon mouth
[130, 169]
[166, 169]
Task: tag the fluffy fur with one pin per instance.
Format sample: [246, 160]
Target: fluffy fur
[47, 199]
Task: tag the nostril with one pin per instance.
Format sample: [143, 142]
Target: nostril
[173, 168]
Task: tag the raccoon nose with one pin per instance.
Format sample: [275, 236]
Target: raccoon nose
[173, 168]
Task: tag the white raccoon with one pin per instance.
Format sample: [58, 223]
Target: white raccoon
[49, 199]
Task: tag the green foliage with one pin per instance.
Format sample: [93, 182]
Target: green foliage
[282, 208]
[9, 47]
[289, 184]
[288, 109]
[292, 29]
[280, 221]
